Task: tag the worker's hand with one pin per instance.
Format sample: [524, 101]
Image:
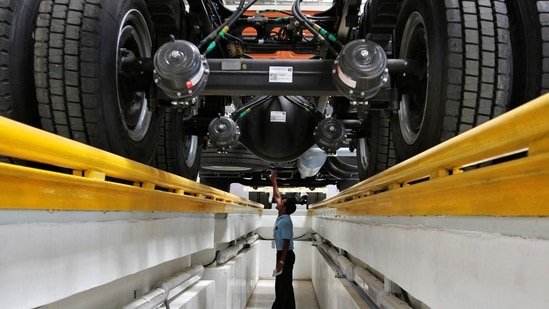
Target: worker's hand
[279, 267]
[272, 177]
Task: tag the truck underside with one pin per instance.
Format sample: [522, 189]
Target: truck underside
[323, 92]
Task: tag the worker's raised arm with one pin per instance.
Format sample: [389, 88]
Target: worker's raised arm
[276, 194]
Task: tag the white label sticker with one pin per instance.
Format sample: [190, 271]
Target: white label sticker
[278, 116]
[346, 79]
[281, 74]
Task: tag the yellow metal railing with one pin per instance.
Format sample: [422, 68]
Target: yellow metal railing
[472, 174]
[138, 187]
[439, 181]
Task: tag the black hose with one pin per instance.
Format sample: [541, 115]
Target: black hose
[321, 33]
[215, 259]
[214, 35]
[244, 110]
[218, 33]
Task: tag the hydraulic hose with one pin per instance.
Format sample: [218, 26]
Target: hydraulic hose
[321, 33]
[212, 39]
[246, 109]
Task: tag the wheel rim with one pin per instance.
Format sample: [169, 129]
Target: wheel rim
[190, 149]
[133, 36]
[362, 155]
[413, 105]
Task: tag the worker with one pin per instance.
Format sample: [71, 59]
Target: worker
[285, 257]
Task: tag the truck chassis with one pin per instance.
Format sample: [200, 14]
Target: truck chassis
[325, 95]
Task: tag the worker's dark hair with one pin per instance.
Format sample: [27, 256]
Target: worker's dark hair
[290, 205]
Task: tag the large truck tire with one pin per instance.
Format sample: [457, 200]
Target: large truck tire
[81, 92]
[177, 152]
[465, 49]
[376, 153]
[529, 25]
[342, 167]
[17, 96]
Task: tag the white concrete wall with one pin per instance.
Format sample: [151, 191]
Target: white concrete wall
[52, 260]
[331, 291]
[200, 295]
[229, 227]
[104, 260]
[448, 268]
[235, 280]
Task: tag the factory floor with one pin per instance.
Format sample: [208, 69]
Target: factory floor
[264, 295]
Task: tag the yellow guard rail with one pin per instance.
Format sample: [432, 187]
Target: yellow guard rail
[473, 174]
[80, 178]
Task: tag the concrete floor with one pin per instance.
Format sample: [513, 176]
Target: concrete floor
[264, 295]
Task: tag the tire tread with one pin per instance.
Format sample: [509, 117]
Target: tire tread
[60, 63]
[17, 101]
